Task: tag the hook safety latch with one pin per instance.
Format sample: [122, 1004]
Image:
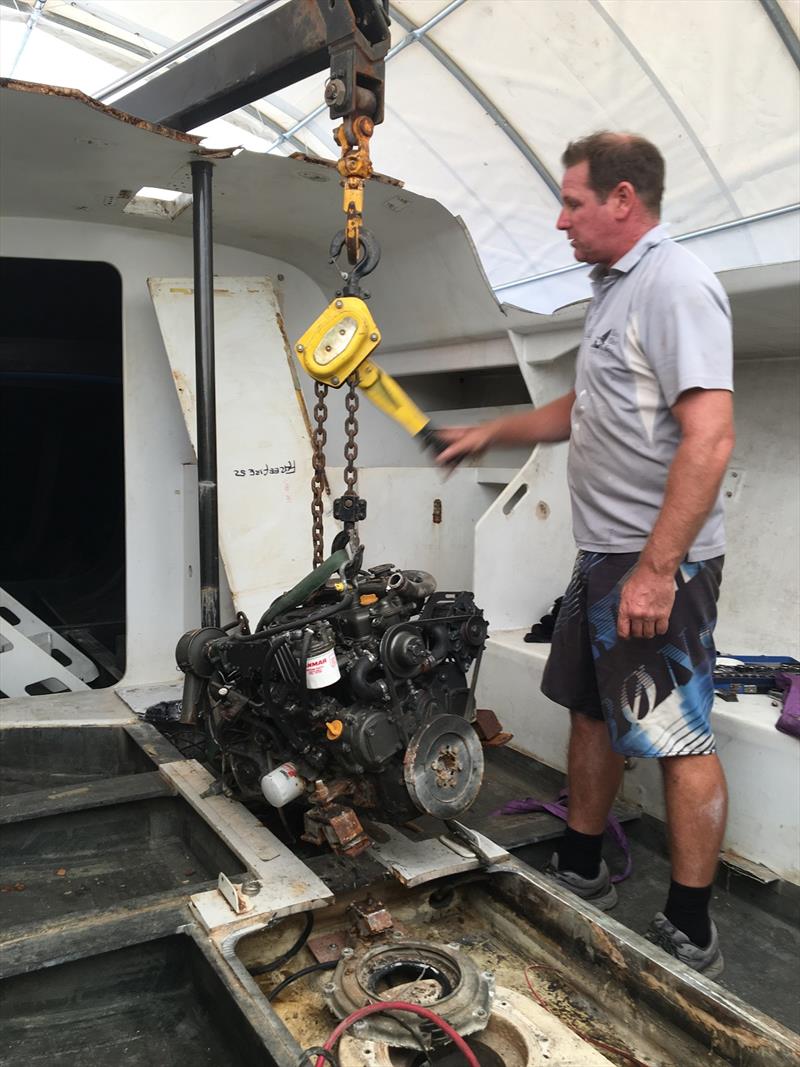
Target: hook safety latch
[368, 260]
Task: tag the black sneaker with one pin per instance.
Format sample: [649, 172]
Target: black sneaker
[708, 961]
[598, 891]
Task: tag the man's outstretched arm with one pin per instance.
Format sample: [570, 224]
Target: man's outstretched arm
[551, 422]
[705, 417]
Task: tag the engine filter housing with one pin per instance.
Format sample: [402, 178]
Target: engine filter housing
[322, 667]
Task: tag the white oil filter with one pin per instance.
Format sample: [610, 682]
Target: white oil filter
[282, 785]
[322, 669]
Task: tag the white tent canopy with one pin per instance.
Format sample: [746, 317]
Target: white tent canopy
[482, 96]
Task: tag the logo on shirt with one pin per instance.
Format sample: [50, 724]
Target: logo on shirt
[606, 341]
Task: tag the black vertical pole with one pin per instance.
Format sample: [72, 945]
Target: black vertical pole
[205, 391]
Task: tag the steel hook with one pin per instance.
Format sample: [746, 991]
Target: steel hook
[367, 262]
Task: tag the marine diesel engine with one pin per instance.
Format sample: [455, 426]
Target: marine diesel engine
[351, 694]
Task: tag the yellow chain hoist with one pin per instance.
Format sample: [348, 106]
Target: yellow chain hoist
[337, 344]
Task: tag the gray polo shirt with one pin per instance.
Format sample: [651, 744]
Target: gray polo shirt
[659, 323]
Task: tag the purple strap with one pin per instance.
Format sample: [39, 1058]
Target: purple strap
[559, 809]
[789, 721]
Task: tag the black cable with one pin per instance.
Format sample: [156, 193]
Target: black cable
[279, 988]
[265, 968]
[297, 624]
[316, 1051]
[417, 1038]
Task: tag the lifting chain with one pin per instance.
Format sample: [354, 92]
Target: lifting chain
[349, 508]
[351, 430]
[363, 253]
[319, 438]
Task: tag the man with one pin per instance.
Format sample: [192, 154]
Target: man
[650, 426]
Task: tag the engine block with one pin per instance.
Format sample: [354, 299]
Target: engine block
[355, 700]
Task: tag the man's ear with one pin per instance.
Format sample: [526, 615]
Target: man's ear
[623, 198]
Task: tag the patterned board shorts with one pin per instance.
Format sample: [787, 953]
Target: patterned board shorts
[655, 694]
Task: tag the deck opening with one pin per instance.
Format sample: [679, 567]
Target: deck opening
[62, 546]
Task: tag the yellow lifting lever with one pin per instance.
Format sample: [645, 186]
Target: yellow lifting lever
[338, 345]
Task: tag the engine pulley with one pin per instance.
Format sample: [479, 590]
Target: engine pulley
[443, 767]
[191, 654]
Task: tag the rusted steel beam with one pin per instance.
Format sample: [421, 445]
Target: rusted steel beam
[283, 46]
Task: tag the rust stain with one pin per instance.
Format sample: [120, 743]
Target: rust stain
[42, 89]
[184, 391]
[182, 291]
[711, 1023]
[218, 153]
[605, 945]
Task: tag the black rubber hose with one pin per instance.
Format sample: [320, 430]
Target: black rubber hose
[279, 988]
[361, 686]
[265, 968]
[298, 623]
[313, 616]
[376, 586]
[299, 593]
[440, 645]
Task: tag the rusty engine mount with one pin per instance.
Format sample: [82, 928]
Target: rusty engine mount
[355, 699]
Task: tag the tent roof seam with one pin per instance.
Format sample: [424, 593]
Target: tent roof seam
[483, 100]
[670, 101]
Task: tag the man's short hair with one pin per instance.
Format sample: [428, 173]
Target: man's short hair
[620, 157]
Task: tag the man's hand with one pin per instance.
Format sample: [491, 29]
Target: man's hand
[645, 603]
[463, 441]
[548, 423]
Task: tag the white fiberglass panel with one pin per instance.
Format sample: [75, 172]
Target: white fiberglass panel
[263, 445]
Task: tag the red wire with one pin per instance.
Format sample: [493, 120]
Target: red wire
[584, 1037]
[398, 1005]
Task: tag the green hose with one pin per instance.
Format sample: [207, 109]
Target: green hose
[299, 593]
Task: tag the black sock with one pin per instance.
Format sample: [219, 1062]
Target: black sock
[580, 853]
[687, 908]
